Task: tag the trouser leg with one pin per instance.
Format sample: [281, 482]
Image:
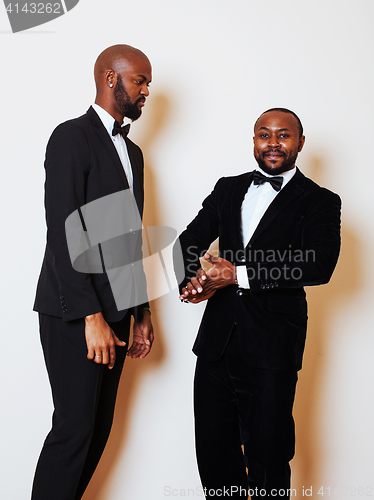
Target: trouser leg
[105, 407]
[239, 405]
[265, 401]
[217, 434]
[76, 384]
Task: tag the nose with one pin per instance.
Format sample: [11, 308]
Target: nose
[273, 141]
[144, 90]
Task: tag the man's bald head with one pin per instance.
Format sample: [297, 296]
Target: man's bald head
[122, 77]
[116, 58]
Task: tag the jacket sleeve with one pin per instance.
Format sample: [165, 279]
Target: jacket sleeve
[315, 261]
[67, 166]
[198, 236]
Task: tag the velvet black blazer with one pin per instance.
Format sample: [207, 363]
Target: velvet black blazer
[296, 244]
[82, 165]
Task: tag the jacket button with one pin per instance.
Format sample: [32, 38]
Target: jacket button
[242, 259]
[276, 285]
[262, 287]
[239, 292]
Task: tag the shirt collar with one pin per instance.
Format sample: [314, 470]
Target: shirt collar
[107, 118]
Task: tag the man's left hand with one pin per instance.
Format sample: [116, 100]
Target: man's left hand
[142, 337]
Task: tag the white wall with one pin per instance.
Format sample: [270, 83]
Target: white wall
[217, 66]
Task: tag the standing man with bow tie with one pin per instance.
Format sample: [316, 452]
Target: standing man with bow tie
[83, 334]
[278, 232]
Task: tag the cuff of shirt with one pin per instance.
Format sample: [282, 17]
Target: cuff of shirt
[242, 276]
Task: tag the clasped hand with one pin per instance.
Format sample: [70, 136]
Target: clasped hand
[221, 274]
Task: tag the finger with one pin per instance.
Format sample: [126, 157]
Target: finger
[112, 357]
[184, 292]
[151, 337]
[191, 289]
[117, 341]
[97, 357]
[144, 349]
[134, 350]
[91, 352]
[211, 258]
[196, 284]
[105, 357]
[145, 352]
[202, 275]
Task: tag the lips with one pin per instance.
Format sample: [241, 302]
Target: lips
[274, 155]
[141, 101]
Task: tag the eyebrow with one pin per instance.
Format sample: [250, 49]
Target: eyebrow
[278, 130]
[144, 78]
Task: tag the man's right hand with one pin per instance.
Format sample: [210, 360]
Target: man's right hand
[101, 340]
[221, 274]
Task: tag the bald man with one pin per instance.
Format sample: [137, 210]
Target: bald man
[83, 333]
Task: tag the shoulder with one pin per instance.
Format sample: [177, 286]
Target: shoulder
[315, 191]
[227, 183]
[71, 130]
[134, 147]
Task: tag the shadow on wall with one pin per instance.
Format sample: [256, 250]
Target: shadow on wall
[134, 370]
[324, 302]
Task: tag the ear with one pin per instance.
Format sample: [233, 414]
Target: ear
[301, 142]
[110, 78]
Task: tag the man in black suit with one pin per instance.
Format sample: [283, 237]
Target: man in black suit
[83, 333]
[278, 232]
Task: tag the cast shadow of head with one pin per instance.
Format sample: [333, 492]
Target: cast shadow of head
[135, 370]
[324, 303]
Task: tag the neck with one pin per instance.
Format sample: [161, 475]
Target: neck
[109, 108]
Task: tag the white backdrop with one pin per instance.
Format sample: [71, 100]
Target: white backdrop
[217, 65]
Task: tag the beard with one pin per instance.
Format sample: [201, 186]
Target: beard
[122, 98]
[287, 163]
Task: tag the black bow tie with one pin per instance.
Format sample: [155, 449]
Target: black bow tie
[276, 182]
[117, 129]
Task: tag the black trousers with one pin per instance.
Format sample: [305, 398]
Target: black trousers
[238, 407]
[84, 395]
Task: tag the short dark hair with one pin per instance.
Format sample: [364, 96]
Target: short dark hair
[285, 110]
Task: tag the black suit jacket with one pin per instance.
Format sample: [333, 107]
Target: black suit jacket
[82, 165]
[296, 244]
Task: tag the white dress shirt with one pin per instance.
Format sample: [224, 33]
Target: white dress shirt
[255, 203]
[118, 141]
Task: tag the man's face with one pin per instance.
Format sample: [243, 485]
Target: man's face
[131, 89]
[277, 142]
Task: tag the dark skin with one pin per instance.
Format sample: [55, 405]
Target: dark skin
[277, 142]
[135, 71]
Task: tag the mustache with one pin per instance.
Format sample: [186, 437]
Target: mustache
[272, 150]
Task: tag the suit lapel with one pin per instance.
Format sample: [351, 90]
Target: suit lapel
[110, 147]
[238, 194]
[293, 189]
[136, 174]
